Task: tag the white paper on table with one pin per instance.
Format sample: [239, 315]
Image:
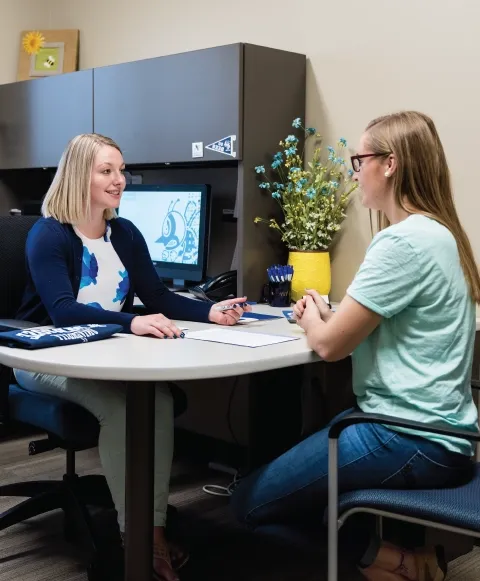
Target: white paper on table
[241, 338]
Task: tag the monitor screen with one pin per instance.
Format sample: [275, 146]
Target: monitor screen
[174, 221]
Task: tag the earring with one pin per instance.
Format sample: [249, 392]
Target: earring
[387, 174]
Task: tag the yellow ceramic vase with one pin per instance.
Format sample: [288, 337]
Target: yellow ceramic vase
[311, 269]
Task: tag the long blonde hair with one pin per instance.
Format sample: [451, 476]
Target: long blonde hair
[421, 183]
[68, 198]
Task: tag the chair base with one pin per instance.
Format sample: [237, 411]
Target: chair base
[74, 495]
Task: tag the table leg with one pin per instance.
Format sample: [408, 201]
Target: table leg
[140, 422]
[275, 413]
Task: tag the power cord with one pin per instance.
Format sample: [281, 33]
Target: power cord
[217, 489]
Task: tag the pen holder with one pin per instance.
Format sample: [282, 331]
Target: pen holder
[277, 294]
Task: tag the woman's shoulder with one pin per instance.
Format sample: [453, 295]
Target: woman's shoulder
[123, 226]
[45, 227]
[419, 232]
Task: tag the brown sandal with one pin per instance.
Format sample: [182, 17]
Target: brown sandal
[178, 556]
[162, 554]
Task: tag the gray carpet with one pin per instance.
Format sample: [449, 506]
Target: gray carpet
[220, 550]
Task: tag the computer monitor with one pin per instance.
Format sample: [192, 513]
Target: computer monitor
[175, 222]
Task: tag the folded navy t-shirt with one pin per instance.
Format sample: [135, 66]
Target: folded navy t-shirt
[38, 337]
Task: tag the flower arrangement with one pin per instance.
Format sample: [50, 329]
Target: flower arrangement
[32, 42]
[313, 200]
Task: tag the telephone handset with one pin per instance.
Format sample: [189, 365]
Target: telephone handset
[217, 288]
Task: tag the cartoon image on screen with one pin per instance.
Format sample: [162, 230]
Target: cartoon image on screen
[180, 230]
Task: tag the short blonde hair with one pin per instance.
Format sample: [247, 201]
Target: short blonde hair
[68, 197]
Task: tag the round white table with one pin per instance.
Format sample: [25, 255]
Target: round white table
[141, 361]
[131, 358]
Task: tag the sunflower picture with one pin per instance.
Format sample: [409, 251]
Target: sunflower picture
[32, 42]
[46, 53]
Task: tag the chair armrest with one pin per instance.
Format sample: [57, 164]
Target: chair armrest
[475, 383]
[361, 418]
[15, 325]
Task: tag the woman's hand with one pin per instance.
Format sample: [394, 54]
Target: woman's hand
[157, 325]
[310, 315]
[323, 309]
[229, 316]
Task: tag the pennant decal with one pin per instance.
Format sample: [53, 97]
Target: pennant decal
[225, 145]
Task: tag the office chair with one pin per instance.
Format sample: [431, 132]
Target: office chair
[67, 426]
[452, 509]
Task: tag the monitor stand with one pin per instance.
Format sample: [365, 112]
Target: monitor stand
[177, 285]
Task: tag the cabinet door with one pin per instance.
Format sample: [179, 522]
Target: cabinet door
[39, 117]
[156, 109]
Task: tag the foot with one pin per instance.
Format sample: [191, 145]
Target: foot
[376, 574]
[431, 564]
[162, 565]
[178, 555]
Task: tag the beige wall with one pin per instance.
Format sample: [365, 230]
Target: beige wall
[365, 59]
[18, 15]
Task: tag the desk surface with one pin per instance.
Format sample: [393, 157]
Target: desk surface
[131, 358]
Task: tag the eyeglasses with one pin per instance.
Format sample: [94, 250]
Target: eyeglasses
[356, 159]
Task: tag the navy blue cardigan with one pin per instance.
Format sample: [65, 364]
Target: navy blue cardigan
[54, 267]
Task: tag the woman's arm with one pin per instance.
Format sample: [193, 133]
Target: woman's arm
[154, 294]
[47, 256]
[387, 282]
[344, 331]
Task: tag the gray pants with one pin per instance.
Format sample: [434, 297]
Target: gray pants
[106, 401]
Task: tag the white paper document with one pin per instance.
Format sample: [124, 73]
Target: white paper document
[241, 338]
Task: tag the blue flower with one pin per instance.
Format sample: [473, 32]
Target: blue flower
[310, 193]
[311, 130]
[295, 169]
[297, 123]
[276, 195]
[331, 157]
[342, 142]
[324, 190]
[340, 161]
[278, 156]
[123, 287]
[291, 151]
[260, 169]
[278, 186]
[291, 139]
[330, 149]
[350, 172]
[89, 268]
[302, 181]
[276, 163]
[264, 185]
[334, 185]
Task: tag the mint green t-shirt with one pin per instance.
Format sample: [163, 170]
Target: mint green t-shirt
[417, 363]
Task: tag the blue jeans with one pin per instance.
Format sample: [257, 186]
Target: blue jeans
[289, 495]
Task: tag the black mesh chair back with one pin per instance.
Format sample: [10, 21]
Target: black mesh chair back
[13, 236]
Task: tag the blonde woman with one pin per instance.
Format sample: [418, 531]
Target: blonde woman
[83, 266]
[409, 319]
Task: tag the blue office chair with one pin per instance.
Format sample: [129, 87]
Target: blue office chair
[67, 426]
[452, 509]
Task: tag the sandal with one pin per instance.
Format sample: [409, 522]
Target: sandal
[178, 556]
[162, 554]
